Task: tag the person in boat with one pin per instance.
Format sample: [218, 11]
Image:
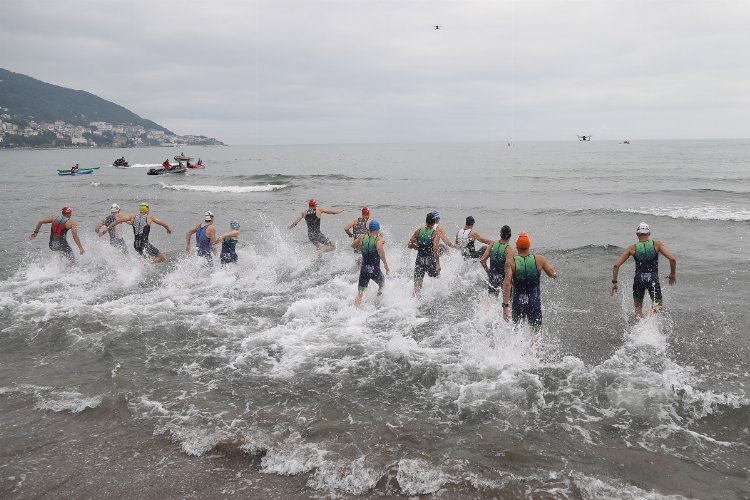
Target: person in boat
[228, 254]
[115, 234]
[312, 218]
[141, 229]
[646, 255]
[466, 239]
[522, 274]
[425, 241]
[370, 245]
[200, 163]
[358, 225]
[58, 241]
[74, 169]
[205, 234]
[166, 164]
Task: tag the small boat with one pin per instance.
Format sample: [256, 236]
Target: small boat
[82, 171]
[120, 163]
[161, 171]
[79, 170]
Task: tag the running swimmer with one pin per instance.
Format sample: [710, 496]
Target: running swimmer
[443, 247]
[646, 255]
[141, 229]
[466, 238]
[228, 240]
[524, 272]
[205, 233]
[358, 226]
[312, 218]
[426, 241]
[498, 253]
[115, 234]
[371, 246]
[58, 241]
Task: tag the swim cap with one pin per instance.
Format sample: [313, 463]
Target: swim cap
[312, 203]
[523, 241]
[470, 221]
[115, 208]
[66, 210]
[143, 207]
[374, 225]
[234, 224]
[643, 229]
[430, 219]
[436, 214]
[208, 215]
[365, 212]
[505, 231]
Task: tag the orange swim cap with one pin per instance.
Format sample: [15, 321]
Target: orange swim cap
[523, 241]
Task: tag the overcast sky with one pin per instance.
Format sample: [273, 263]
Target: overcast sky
[351, 71]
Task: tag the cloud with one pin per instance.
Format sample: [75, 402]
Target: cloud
[372, 71]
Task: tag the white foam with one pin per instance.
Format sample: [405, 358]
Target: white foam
[68, 401]
[699, 212]
[224, 189]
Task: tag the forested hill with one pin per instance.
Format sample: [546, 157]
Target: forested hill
[28, 97]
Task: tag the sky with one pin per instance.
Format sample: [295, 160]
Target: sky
[377, 71]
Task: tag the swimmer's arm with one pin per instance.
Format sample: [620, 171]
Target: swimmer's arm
[485, 256]
[99, 226]
[48, 220]
[672, 262]
[356, 244]
[381, 254]
[547, 267]
[413, 240]
[118, 220]
[481, 238]
[331, 212]
[616, 268]
[441, 234]
[162, 224]
[188, 234]
[348, 227]
[295, 221]
[510, 268]
[436, 249]
[74, 229]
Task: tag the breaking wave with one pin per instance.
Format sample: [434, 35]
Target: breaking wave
[224, 189]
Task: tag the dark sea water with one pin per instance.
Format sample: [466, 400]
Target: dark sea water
[262, 380]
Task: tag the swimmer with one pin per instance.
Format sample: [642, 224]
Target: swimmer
[371, 247]
[646, 255]
[58, 241]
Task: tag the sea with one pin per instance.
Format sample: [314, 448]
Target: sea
[120, 378]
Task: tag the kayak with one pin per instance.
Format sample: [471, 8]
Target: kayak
[79, 170]
[82, 171]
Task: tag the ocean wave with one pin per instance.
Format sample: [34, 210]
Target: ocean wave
[286, 178]
[145, 165]
[224, 189]
[704, 212]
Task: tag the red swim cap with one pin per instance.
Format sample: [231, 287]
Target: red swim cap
[312, 202]
[365, 212]
[66, 210]
[523, 241]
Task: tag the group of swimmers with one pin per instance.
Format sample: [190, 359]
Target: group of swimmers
[514, 271]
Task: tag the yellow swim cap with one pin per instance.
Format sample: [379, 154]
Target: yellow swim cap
[143, 207]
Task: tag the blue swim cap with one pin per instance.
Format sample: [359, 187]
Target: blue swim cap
[374, 225]
[234, 224]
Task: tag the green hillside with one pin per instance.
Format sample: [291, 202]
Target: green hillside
[28, 97]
